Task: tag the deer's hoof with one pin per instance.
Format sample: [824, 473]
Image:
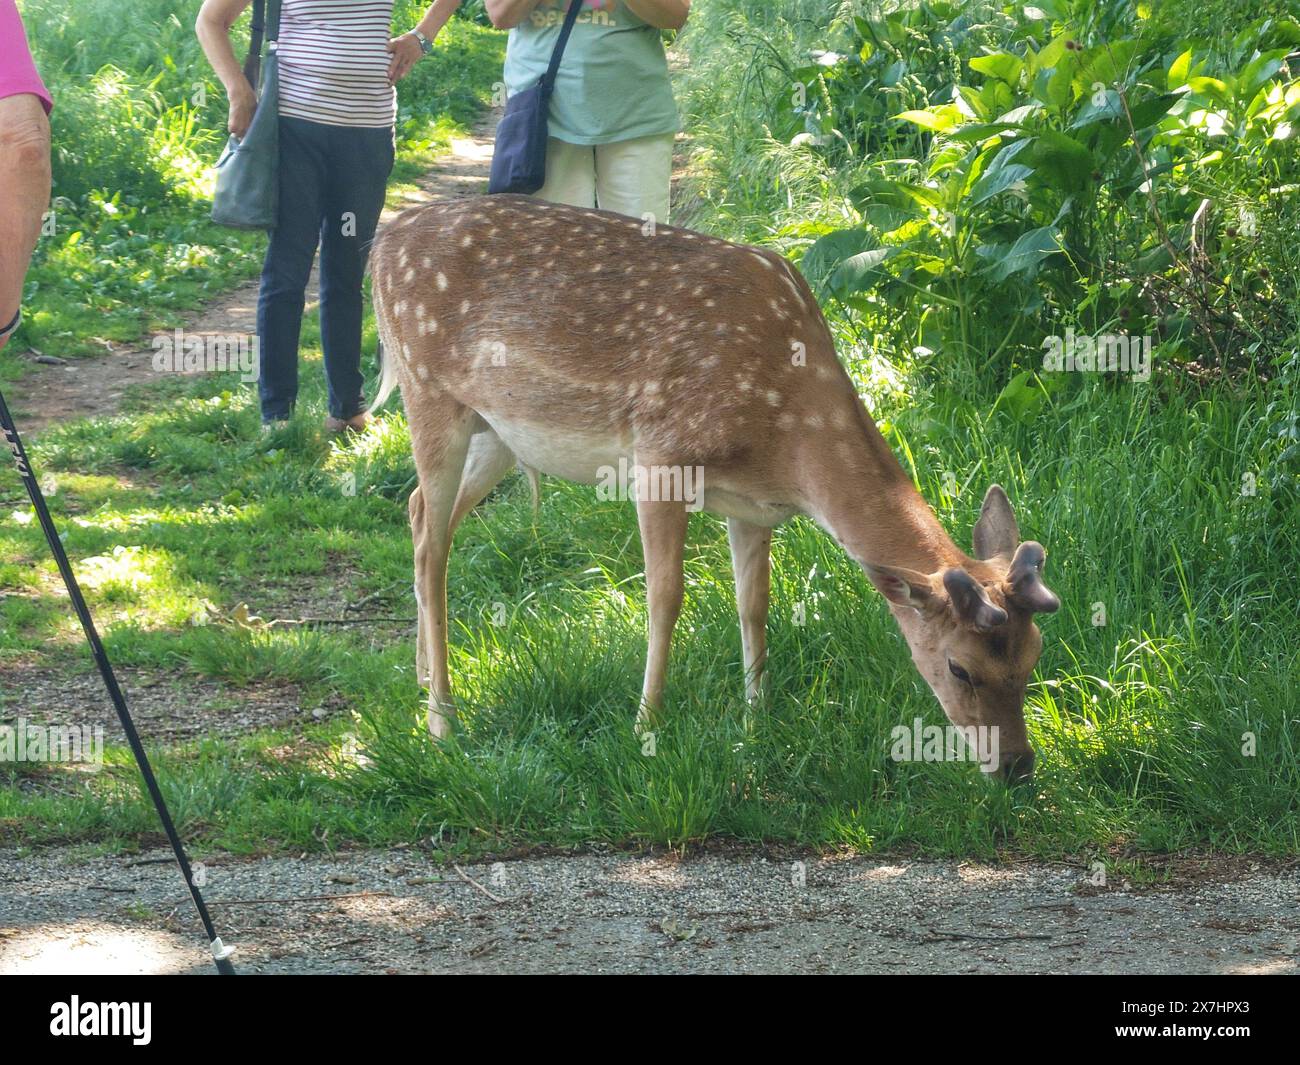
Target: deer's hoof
[441, 722]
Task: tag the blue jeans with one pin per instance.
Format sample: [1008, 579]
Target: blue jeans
[332, 182]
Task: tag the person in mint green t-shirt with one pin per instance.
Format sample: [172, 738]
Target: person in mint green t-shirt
[612, 117]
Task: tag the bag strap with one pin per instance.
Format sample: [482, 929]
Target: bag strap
[253, 64]
[570, 17]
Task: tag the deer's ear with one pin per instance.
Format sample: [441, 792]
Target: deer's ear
[904, 587]
[1024, 584]
[969, 601]
[996, 532]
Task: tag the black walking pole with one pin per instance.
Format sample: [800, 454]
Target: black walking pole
[220, 952]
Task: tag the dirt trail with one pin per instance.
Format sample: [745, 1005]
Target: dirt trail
[88, 386]
[397, 911]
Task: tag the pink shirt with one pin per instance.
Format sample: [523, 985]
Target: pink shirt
[17, 71]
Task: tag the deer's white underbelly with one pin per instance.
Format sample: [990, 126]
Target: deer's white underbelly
[609, 462]
[562, 452]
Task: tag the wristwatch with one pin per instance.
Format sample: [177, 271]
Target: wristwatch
[426, 45]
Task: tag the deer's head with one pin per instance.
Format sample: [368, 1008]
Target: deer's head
[971, 630]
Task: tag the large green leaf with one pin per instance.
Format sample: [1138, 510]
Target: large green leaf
[825, 254]
[860, 272]
[1025, 256]
[1150, 111]
[936, 119]
[998, 180]
[1001, 65]
[1066, 162]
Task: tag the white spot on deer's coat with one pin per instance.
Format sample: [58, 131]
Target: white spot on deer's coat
[774, 398]
[464, 306]
[441, 279]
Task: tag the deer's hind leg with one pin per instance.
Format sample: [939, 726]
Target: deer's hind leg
[440, 435]
[487, 462]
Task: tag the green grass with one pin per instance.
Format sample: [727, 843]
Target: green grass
[1172, 504]
[1140, 722]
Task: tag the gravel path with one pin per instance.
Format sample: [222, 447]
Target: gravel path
[398, 911]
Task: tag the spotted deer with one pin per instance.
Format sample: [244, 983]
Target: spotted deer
[574, 342]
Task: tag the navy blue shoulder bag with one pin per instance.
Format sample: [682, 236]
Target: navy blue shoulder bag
[519, 161]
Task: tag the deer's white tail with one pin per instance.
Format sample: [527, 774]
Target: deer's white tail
[388, 367]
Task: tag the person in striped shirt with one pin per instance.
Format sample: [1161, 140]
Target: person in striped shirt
[338, 69]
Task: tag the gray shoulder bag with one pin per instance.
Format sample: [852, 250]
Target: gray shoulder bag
[247, 194]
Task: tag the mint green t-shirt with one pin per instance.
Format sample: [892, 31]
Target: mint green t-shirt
[613, 78]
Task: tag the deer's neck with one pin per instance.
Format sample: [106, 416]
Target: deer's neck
[863, 498]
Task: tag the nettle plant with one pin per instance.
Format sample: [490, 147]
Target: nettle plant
[1072, 172]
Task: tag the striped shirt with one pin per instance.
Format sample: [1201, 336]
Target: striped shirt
[334, 62]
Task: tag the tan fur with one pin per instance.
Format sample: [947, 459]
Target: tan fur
[564, 339]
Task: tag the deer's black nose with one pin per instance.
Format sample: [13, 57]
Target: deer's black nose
[1017, 768]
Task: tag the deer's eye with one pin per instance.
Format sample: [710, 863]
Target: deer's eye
[959, 673]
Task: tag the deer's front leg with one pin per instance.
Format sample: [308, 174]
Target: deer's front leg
[663, 541]
[751, 561]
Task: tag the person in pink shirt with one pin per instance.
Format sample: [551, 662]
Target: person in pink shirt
[24, 163]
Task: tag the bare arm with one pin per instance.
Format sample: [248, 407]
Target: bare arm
[507, 14]
[405, 50]
[24, 192]
[213, 29]
[661, 14]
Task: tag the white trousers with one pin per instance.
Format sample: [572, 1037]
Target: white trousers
[631, 177]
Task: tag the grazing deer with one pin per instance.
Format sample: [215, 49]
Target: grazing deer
[576, 341]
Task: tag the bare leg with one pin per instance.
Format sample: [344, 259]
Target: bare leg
[751, 560]
[663, 541]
